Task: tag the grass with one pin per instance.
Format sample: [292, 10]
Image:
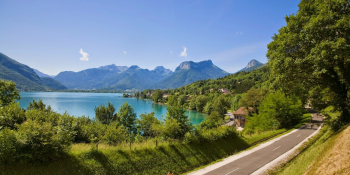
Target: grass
[142, 158]
[335, 156]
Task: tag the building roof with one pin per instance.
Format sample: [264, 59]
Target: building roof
[242, 111]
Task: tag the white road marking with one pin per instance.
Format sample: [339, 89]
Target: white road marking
[298, 135]
[232, 171]
[276, 148]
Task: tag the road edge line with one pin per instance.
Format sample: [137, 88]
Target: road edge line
[283, 157]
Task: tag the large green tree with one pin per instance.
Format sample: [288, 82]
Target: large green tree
[127, 117]
[176, 114]
[105, 114]
[145, 122]
[313, 49]
[8, 92]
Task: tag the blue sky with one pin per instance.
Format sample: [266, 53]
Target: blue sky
[66, 35]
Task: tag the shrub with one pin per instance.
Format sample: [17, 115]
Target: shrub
[8, 146]
[39, 141]
[11, 115]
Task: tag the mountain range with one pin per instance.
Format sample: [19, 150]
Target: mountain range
[112, 77]
[189, 72]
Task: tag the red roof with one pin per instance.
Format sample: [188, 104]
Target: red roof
[242, 111]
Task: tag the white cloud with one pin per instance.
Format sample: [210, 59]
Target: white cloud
[124, 52]
[241, 33]
[171, 52]
[84, 54]
[184, 53]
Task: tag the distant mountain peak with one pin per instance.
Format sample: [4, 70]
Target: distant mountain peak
[252, 65]
[163, 71]
[190, 64]
[113, 67]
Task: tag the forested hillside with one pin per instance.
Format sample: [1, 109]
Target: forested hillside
[52, 83]
[24, 76]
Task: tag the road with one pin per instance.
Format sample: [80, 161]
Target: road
[253, 161]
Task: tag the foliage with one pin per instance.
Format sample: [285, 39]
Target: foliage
[200, 102]
[8, 92]
[313, 50]
[39, 106]
[287, 111]
[221, 104]
[8, 146]
[82, 129]
[115, 134]
[127, 117]
[105, 114]
[176, 116]
[157, 96]
[253, 99]
[145, 122]
[11, 115]
[213, 121]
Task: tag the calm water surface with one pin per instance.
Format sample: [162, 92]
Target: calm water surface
[79, 104]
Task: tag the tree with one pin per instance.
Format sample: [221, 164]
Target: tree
[11, 115]
[172, 100]
[145, 122]
[236, 102]
[182, 100]
[8, 92]
[286, 111]
[313, 49]
[115, 134]
[39, 106]
[200, 102]
[157, 96]
[221, 104]
[213, 121]
[177, 114]
[192, 104]
[105, 114]
[127, 117]
[253, 98]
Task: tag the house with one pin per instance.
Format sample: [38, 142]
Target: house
[224, 91]
[165, 95]
[240, 116]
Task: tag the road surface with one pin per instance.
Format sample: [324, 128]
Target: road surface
[253, 161]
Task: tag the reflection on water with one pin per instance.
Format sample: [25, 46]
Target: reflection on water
[79, 104]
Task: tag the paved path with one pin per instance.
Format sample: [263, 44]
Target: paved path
[253, 161]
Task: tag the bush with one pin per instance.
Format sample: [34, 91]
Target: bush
[39, 141]
[8, 146]
[11, 115]
[115, 134]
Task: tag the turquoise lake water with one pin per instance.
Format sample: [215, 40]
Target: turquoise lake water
[79, 104]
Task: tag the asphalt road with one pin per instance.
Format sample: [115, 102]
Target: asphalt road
[250, 163]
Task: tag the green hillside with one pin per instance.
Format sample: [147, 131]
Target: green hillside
[52, 83]
[24, 76]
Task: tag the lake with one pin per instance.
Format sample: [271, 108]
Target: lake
[79, 104]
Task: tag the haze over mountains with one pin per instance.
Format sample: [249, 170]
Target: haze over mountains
[112, 77]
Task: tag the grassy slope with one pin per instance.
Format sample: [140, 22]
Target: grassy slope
[330, 154]
[141, 159]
